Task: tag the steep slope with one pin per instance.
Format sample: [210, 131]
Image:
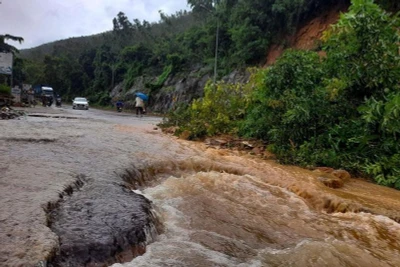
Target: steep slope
[308, 36]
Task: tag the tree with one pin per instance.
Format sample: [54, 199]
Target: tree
[121, 22]
[19, 75]
[201, 5]
[4, 47]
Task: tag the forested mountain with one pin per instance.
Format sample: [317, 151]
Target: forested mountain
[91, 65]
[71, 46]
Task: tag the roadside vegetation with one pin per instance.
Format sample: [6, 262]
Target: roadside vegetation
[6, 48]
[5, 90]
[339, 108]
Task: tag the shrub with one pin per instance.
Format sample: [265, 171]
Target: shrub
[339, 111]
[161, 80]
[287, 102]
[220, 111]
[5, 89]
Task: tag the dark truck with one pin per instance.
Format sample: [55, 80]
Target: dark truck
[44, 93]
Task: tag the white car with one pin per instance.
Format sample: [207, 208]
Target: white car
[80, 103]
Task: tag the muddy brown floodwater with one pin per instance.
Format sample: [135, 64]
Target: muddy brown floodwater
[94, 188]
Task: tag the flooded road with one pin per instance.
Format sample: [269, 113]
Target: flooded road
[208, 207]
[42, 154]
[246, 212]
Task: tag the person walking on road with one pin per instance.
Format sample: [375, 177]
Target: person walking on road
[139, 104]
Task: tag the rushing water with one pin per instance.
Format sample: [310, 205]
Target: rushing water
[217, 207]
[227, 210]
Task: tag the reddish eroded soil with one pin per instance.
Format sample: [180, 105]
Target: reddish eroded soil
[308, 36]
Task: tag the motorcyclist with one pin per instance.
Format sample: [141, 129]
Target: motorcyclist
[50, 101]
[44, 100]
[58, 100]
[119, 105]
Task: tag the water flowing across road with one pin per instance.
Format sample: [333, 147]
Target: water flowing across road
[208, 207]
[228, 210]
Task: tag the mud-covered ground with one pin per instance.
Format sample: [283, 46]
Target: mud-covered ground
[43, 153]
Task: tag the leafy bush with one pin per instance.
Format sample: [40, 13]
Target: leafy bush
[5, 89]
[100, 98]
[342, 110]
[219, 112]
[288, 101]
[362, 51]
[178, 116]
[161, 79]
[133, 72]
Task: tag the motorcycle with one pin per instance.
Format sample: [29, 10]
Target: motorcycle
[119, 109]
[50, 101]
[58, 102]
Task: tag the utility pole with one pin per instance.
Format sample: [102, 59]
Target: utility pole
[114, 61]
[113, 68]
[216, 44]
[216, 52]
[12, 72]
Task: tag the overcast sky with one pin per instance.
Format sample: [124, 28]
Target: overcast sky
[43, 21]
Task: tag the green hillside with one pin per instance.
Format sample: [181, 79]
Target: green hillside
[71, 46]
[339, 107]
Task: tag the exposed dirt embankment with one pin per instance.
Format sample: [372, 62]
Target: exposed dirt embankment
[308, 36]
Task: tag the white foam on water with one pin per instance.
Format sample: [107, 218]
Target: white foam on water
[175, 247]
[138, 192]
[268, 213]
[172, 253]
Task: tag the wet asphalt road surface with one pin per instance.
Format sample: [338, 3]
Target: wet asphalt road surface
[45, 152]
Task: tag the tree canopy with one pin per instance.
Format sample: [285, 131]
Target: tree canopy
[4, 47]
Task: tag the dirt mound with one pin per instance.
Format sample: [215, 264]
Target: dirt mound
[308, 36]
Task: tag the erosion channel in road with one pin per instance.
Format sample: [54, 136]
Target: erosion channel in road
[93, 188]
